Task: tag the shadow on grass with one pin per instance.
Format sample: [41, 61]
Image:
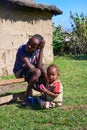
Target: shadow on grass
[5, 94]
[80, 57]
[33, 106]
[11, 98]
[75, 57]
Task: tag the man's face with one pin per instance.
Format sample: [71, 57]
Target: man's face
[32, 45]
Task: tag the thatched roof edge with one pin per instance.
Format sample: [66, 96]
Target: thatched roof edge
[30, 4]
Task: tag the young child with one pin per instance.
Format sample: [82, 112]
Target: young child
[54, 89]
[28, 63]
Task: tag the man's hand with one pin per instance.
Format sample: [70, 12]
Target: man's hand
[42, 44]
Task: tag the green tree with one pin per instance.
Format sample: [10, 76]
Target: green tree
[58, 38]
[79, 34]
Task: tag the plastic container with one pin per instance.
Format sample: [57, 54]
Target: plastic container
[31, 99]
[38, 100]
[41, 86]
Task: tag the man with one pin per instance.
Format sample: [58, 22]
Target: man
[28, 63]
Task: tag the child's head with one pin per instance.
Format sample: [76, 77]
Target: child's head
[34, 42]
[52, 73]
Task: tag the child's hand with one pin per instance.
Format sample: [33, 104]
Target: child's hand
[42, 88]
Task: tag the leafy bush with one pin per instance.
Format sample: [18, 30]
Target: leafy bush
[79, 33]
[58, 38]
[77, 43]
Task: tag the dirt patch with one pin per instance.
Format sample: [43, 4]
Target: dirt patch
[15, 87]
[68, 107]
[7, 88]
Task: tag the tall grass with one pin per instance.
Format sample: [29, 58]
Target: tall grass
[73, 75]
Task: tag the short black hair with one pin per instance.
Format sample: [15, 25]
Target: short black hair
[38, 36]
[54, 66]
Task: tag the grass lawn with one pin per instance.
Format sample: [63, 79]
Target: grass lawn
[73, 75]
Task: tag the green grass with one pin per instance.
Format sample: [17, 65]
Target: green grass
[7, 77]
[73, 75]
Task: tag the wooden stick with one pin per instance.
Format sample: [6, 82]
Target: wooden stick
[11, 81]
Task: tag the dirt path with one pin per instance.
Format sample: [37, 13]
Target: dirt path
[68, 107]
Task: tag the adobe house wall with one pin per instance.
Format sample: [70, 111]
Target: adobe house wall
[16, 26]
